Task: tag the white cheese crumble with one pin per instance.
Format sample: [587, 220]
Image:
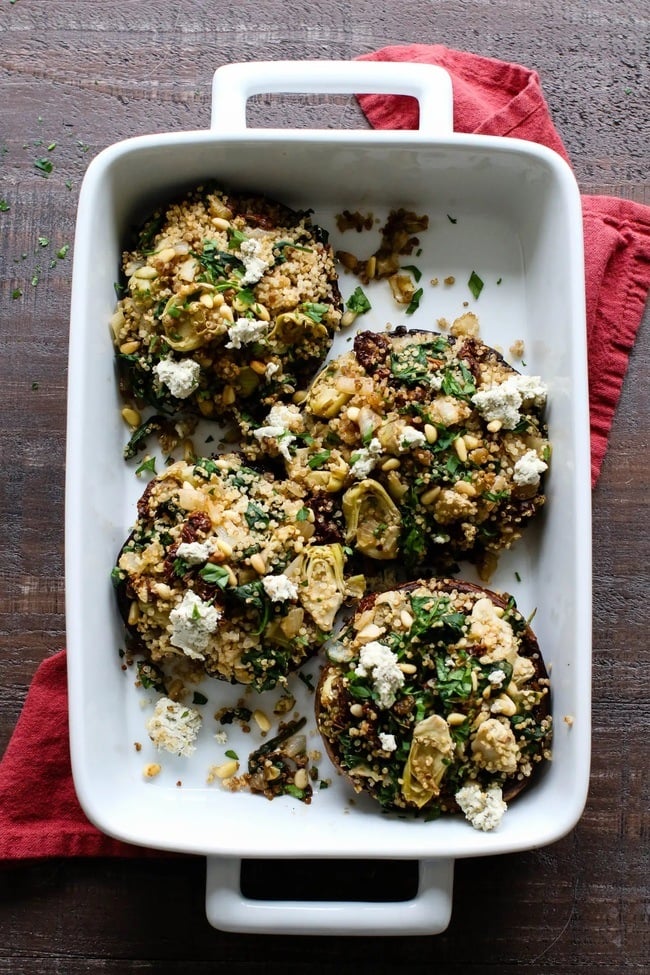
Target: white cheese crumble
[195, 552]
[278, 424]
[378, 662]
[180, 378]
[279, 588]
[365, 459]
[254, 264]
[410, 437]
[193, 621]
[245, 331]
[220, 737]
[388, 742]
[174, 727]
[497, 677]
[502, 402]
[528, 469]
[271, 370]
[484, 810]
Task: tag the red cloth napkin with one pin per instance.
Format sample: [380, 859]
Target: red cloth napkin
[39, 812]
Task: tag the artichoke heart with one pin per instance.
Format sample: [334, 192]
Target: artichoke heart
[185, 325]
[431, 749]
[294, 326]
[373, 522]
[322, 588]
[324, 399]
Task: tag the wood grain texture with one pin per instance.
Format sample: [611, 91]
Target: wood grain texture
[84, 75]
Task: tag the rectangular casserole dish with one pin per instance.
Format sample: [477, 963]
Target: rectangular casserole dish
[518, 225]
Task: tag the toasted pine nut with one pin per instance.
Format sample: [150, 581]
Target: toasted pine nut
[464, 487]
[406, 619]
[207, 300]
[494, 426]
[430, 496]
[356, 710]
[226, 313]
[261, 312]
[455, 718]
[300, 779]
[430, 432]
[371, 266]
[471, 442]
[257, 366]
[461, 449]
[134, 613]
[131, 417]
[391, 464]
[262, 721]
[128, 348]
[146, 273]
[348, 318]
[396, 489]
[228, 396]
[408, 668]
[220, 223]
[226, 769]
[352, 413]
[299, 397]
[258, 563]
[151, 771]
[166, 254]
[369, 632]
[224, 547]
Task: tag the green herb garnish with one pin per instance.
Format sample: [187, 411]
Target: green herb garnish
[44, 165]
[198, 698]
[358, 302]
[415, 271]
[475, 284]
[319, 460]
[314, 310]
[147, 465]
[231, 754]
[215, 574]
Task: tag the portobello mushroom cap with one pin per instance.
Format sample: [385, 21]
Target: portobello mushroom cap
[432, 686]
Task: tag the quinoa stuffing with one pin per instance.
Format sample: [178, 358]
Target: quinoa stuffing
[225, 568]
[436, 446]
[227, 301]
[435, 699]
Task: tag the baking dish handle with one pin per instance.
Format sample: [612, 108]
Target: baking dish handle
[427, 913]
[234, 84]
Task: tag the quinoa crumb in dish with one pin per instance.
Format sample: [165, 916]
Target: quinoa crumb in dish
[436, 699]
[435, 444]
[226, 569]
[227, 300]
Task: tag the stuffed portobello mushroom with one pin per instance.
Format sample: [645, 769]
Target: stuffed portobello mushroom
[437, 446]
[227, 571]
[435, 700]
[227, 302]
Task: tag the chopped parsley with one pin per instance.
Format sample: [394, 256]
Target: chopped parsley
[415, 271]
[414, 303]
[475, 284]
[231, 754]
[147, 465]
[215, 574]
[318, 460]
[315, 310]
[358, 302]
[198, 698]
[4, 206]
[452, 219]
[44, 165]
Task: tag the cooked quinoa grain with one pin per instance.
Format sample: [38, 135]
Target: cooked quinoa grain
[229, 302]
[436, 700]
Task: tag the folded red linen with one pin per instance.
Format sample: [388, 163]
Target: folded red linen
[39, 812]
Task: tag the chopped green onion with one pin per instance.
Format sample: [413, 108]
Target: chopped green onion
[415, 302]
[415, 271]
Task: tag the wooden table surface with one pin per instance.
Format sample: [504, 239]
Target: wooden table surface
[77, 76]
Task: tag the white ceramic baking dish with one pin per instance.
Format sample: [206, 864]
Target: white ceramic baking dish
[518, 225]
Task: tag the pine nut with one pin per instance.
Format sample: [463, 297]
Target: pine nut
[226, 769]
[207, 300]
[371, 266]
[300, 779]
[128, 348]
[471, 442]
[146, 273]
[299, 397]
[494, 426]
[356, 710]
[166, 254]
[224, 547]
[262, 721]
[134, 613]
[461, 449]
[369, 632]
[464, 487]
[406, 619]
[352, 413]
[151, 771]
[220, 223]
[408, 668]
[348, 318]
[430, 432]
[258, 563]
[228, 396]
[257, 366]
[396, 489]
[390, 465]
[455, 718]
[131, 417]
[430, 496]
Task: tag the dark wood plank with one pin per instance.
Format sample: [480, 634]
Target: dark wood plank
[84, 75]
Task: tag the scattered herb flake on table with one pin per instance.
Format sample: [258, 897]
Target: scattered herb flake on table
[44, 165]
[4, 206]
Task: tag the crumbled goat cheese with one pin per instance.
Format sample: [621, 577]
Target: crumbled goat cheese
[277, 427]
[365, 459]
[180, 378]
[410, 437]
[174, 727]
[193, 621]
[388, 742]
[271, 370]
[244, 331]
[502, 402]
[279, 588]
[484, 810]
[497, 677]
[528, 469]
[220, 737]
[254, 264]
[377, 661]
[195, 552]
